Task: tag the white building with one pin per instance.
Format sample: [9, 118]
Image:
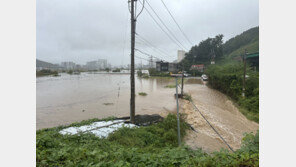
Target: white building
[97, 65]
[68, 65]
[181, 55]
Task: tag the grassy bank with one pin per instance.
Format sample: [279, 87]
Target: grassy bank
[154, 145]
[228, 78]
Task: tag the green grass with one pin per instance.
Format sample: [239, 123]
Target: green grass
[154, 145]
[143, 94]
[250, 115]
[170, 86]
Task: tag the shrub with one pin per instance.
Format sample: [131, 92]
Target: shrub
[143, 94]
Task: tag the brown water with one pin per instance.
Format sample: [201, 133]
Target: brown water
[221, 113]
[70, 98]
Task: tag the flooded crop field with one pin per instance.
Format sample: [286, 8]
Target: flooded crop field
[72, 98]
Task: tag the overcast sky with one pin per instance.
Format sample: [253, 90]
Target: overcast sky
[87, 30]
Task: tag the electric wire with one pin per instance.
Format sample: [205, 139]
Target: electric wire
[176, 23]
[162, 28]
[212, 126]
[153, 46]
[171, 33]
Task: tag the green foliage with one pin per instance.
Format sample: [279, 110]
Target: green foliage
[154, 145]
[142, 94]
[247, 37]
[202, 53]
[116, 70]
[251, 48]
[142, 75]
[153, 72]
[70, 72]
[228, 78]
[46, 72]
[170, 86]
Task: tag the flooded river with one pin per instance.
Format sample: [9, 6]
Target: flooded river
[71, 98]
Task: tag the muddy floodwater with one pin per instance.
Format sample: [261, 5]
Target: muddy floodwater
[71, 98]
[223, 115]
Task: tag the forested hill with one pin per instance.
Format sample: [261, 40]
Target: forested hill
[214, 48]
[247, 40]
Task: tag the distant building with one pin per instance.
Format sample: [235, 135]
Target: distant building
[181, 55]
[68, 65]
[102, 63]
[198, 67]
[97, 65]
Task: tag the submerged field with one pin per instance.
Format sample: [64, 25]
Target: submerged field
[154, 145]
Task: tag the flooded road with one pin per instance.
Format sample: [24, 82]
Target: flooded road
[221, 113]
[70, 98]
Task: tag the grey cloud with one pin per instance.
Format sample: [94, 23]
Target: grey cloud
[85, 30]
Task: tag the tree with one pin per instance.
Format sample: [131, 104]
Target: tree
[204, 52]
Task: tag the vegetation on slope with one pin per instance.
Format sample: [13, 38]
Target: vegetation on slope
[226, 75]
[154, 145]
[246, 38]
[251, 48]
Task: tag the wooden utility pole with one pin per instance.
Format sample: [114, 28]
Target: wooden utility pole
[182, 83]
[244, 79]
[178, 120]
[133, 27]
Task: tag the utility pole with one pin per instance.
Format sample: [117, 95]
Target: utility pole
[244, 79]
[178, 120]
[182, 83]
[151, 62]
[132, 100]
[133, 32]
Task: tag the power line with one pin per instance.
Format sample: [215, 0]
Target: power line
[172, 34]
[162, 28]
[142, 58]
[212, 126]
[163, 57]
[152, 46]
[176, 23]
[146, 53]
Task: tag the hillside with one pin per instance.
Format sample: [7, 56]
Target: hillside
[247, 40]
[44, 64]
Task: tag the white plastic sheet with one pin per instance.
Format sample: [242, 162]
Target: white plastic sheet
[101, 129]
